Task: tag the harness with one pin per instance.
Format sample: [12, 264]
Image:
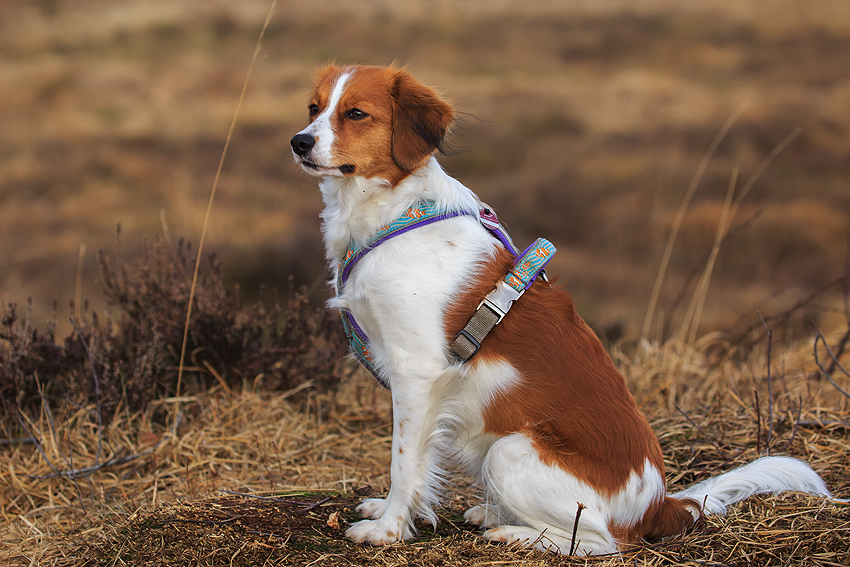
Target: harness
[492, 309]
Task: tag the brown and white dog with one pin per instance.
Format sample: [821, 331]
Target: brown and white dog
[540, 415]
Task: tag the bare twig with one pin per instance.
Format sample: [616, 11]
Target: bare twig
[575, 526]
[79, 473]
[78, 295]
[816, 423]
[704, 434]
[69, 460]
[171, 248]
[96, 391]
[769, 384]
[820, 337]
[839, 349]
[33, 437]
[19, 441]
[782, 317]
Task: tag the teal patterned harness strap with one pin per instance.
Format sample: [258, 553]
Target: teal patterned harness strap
[416, 216]
[530, 263]
[425, 212]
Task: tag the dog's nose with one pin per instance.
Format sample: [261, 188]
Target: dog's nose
[302, 143]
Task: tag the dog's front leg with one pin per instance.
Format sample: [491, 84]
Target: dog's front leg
[414, 471]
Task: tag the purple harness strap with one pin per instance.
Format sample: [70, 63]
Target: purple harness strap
[425, 220]
[416, 217]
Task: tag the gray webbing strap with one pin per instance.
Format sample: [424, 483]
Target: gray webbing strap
[497, 303]
[488, 314]
[468, 341]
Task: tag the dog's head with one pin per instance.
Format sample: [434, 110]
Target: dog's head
[371, 122]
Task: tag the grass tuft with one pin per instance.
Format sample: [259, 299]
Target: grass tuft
[135, 356]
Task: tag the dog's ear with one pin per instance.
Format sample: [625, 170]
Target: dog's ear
[421, 120]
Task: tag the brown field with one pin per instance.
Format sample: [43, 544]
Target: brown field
[581, 121]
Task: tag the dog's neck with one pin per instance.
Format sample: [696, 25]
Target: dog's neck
[356, 208]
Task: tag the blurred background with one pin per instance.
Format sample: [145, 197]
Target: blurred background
[581, 121]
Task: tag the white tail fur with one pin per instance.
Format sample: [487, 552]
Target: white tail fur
[765, 475]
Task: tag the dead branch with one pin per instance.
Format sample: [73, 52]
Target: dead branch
[19, 441]
[31, 436]
[813, 423]
[79, 473]
[780, 318]
[819, 337]
[839, 349]
[575, 526]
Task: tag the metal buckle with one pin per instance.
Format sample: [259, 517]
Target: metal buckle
[499, 300]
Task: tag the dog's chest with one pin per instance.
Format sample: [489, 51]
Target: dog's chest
[399, 292]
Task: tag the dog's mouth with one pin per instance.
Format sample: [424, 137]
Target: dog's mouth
[345, 169]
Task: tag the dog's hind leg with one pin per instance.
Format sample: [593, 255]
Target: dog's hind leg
[544, 499]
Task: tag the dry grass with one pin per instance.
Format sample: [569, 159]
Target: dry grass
[167, 504]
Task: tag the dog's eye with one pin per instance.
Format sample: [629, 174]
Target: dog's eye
[356, 114]
[314, 110]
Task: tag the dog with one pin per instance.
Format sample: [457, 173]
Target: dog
[535, 409]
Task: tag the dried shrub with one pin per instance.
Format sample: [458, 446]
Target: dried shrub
[135, 357]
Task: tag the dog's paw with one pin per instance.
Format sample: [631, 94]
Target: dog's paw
[482, 516]
[376, 532]
[372, 508]
[510, 534]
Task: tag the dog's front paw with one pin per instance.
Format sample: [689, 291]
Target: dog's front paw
[376, 532]
[372, 508]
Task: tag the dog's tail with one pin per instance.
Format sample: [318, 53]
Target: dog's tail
[765, 475]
